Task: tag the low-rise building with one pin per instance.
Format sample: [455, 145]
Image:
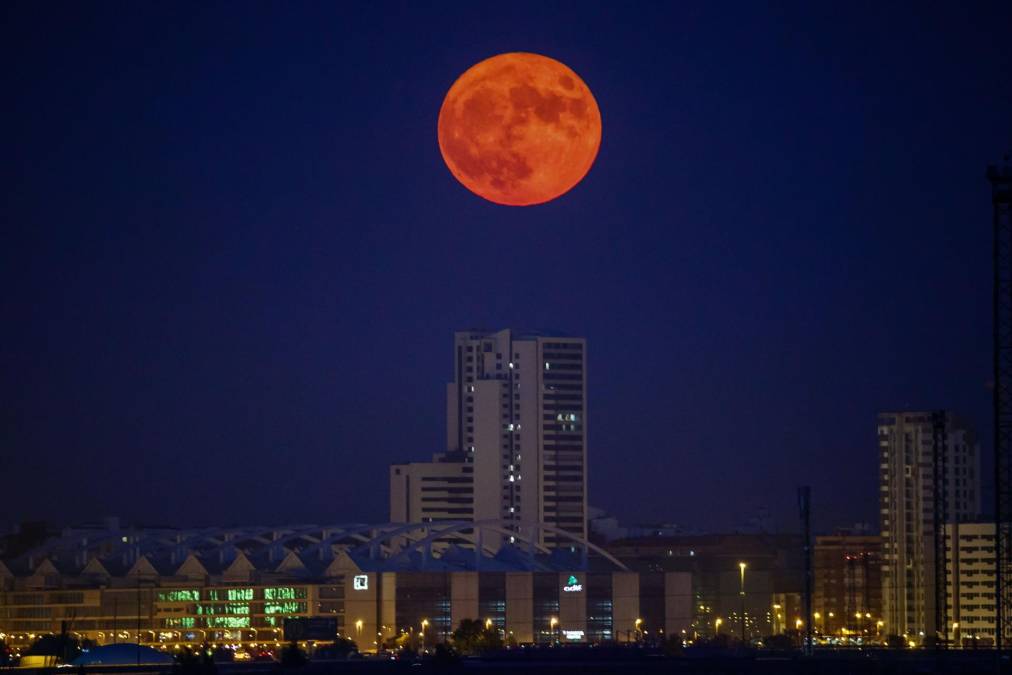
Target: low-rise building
[847, 588]
[236, 586]
[969, 582]
[727, 597]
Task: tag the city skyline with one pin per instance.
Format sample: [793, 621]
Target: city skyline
[229, 277]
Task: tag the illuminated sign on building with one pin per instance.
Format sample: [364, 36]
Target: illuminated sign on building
[573, 585]
[573, 634]
[361, 582]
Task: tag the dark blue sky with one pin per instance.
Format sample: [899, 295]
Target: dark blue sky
[232, 259]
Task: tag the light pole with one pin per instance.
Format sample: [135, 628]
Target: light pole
[552, 623]
[425, 624]
[741, 592]
[716, 626]
[639, 633]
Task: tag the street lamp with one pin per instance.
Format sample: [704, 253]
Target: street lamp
[955, 627]
[552, 623]
[639, 632]
[425, 624]
[716, 626]
[741, 592]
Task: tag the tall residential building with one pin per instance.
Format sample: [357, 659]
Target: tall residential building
[970, 572]
[516, 419]
[516, 409]
[921, 455]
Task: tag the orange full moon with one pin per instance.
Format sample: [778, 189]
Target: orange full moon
[519, 129]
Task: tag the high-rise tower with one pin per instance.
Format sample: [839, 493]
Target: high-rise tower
[929, 475]
[517, 410]
[516, 429]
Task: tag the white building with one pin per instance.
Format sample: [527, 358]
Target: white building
[517, 418]
[970, 578]
[907, 458]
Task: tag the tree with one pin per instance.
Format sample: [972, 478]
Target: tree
[445, 655]
[474, 637]
[896, 642]
[341, 649]
[673, 645]
[292, 656]
[778, 642]
[196, 662]
[64, 647]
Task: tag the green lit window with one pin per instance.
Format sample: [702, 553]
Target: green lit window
[181, 622]
[230, 608]
[284, 593]
[227, 621]
[179, 595]
[289, 607]
[240, 594]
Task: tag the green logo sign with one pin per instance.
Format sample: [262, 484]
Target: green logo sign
[572, 580]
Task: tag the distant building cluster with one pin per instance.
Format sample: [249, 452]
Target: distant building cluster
[495, 528]
[516, 430]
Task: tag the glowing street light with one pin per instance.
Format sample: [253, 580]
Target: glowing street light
[741, 592]
[716, 625]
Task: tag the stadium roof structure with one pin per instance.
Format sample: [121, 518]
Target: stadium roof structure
[311, 551]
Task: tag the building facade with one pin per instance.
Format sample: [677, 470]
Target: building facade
[970, 578]
[381, 584]
[517, 417]
[847, 585]
[727, 598]
[431, 491]
[929, 473]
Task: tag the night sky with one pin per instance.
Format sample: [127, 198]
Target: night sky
[232, 258]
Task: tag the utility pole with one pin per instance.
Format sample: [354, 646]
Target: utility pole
[805, 507]
[940, 491]
[1000, 178]
[741, 593]
[138, 619]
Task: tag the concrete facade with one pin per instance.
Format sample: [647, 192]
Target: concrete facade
[516, 418]
[431, 491]
[970, 577]
[906, 443]
[847, 584]
[372, 608]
